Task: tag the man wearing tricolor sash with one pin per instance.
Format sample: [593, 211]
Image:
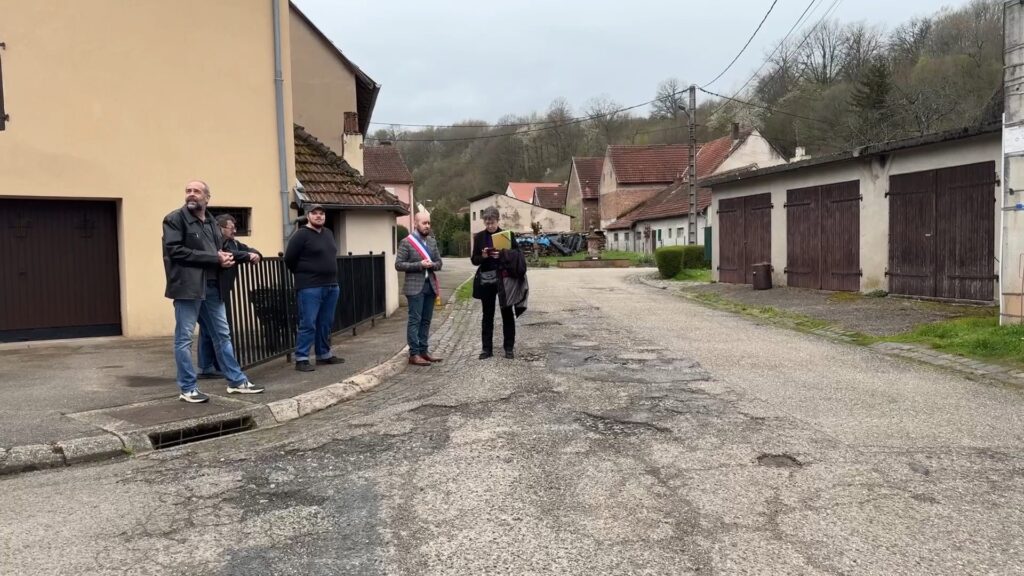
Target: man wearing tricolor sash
[420, 259]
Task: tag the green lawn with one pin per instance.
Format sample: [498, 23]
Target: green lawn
[695, 275]
[975, 337]
[464, 291]
[636, 258]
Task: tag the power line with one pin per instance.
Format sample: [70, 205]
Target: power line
[749, 40]
[763, 107]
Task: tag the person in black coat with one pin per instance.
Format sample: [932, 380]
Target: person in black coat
[486, 286]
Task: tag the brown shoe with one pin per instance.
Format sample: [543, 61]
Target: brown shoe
[430, 358]
[418, 361]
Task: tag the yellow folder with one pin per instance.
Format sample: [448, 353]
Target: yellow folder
[502, 240]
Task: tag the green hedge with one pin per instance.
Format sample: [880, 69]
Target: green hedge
[673, 259]
[669, 260]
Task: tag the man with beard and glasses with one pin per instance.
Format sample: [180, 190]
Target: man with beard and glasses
[420, 259]
[312, 257]
[193, 261]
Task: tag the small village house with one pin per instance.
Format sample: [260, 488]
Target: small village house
[170, 97]
[582, 193]
[524, 190]
[550, 197]
[385, 166]
[516, 215]
[916, 217]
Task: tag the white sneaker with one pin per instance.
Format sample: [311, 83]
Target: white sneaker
[194, 397]
[245, 388]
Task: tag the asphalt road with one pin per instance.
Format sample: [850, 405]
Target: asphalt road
[636, 433]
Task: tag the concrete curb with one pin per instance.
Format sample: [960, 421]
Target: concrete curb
[968, 367]
[32, 457]
[28, 458]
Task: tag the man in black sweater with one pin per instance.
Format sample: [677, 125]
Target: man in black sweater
[312, 257]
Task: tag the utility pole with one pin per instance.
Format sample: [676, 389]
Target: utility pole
[691, 217]
[1011, 253]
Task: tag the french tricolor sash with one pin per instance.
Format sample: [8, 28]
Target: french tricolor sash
[420, 247]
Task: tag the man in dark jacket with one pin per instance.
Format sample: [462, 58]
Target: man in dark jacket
[193, 260]
[208, 365]
[312, 256]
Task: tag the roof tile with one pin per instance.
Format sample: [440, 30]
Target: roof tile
[589, 171]
[385, 165]
[330, 180]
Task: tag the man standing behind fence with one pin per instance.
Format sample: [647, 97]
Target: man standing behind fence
[208, 365]
[419, 258]
[193, 259]
[312, 256]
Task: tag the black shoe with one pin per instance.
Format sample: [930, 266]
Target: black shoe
[486, 355]
[331, 360]
[304, 366]
[510, 354]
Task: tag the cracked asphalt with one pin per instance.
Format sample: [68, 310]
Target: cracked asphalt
[636, 433]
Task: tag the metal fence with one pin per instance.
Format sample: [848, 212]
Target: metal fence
[263, 313]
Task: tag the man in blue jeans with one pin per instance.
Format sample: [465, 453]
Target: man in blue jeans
[193, 263]
[312, 257]
[420, 259]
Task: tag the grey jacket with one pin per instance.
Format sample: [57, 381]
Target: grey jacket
[408, 260]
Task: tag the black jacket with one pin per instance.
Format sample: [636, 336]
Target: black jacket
[480, 241]
[242, 254]
[187, 261]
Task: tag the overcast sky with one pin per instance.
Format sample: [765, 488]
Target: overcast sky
[441, 61]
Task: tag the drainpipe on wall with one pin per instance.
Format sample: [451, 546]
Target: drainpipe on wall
[282, 160]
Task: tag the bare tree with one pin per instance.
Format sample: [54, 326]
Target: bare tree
[671, 95]
[605, 117]
[822, 53]
[862, 46]
[907, 42]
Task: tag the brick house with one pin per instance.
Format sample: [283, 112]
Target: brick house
[384, 165]
[582, 193]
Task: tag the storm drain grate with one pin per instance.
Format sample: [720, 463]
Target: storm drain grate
[172, 438]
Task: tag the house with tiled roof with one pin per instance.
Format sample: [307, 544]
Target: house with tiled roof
[663, 219]
[550, 197]
[385, 166]
[238, 137]
[633, 174]
[582, 193]
[524, 190]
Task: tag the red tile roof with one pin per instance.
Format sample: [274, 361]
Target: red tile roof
[654, 164]
[589, 170]
[329, 180]
[524, 190]
[550, 198]
[711, 155]
[385, 165]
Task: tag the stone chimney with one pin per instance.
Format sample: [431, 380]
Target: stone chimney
[351, 123]
[735, 131]
[799, 154]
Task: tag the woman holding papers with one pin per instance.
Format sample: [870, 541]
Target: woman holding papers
[488, 247]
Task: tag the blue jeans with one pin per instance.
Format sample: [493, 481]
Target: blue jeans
[421, 312]
[207, 356]
[316, 318]
[186, 314]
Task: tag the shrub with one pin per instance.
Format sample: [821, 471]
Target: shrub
[693, 257]
[669, 260]
[402, 232]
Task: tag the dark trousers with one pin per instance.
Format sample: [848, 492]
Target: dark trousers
[489, 297]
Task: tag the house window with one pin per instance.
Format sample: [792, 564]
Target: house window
[242, 217]
[616, 235]
[669, 232]
[659, 234]
[474, 216]
[679, 232]
[627, 236]
[3, 111]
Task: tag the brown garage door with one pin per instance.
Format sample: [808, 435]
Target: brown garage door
[745, 238]
[823, 237]
[59, 276]
[942, 232]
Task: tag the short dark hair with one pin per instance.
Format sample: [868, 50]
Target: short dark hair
[223, 220]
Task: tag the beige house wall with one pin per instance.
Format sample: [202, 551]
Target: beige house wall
[873, 175]
[129, 100]
[366, 232]
[754, 150]
[324, 89]
[518, 216]
[574, 199]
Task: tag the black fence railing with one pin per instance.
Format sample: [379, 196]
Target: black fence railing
[263, 313]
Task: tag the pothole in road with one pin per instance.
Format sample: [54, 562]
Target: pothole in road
[543, 323]
[610, 425]
[778, 461]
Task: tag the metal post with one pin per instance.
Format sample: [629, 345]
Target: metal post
[1011, 253]
[691, 217]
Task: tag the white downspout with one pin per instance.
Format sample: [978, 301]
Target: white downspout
[282, 159]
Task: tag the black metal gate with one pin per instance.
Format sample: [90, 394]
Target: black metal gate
[942, 233]
[263, 312]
